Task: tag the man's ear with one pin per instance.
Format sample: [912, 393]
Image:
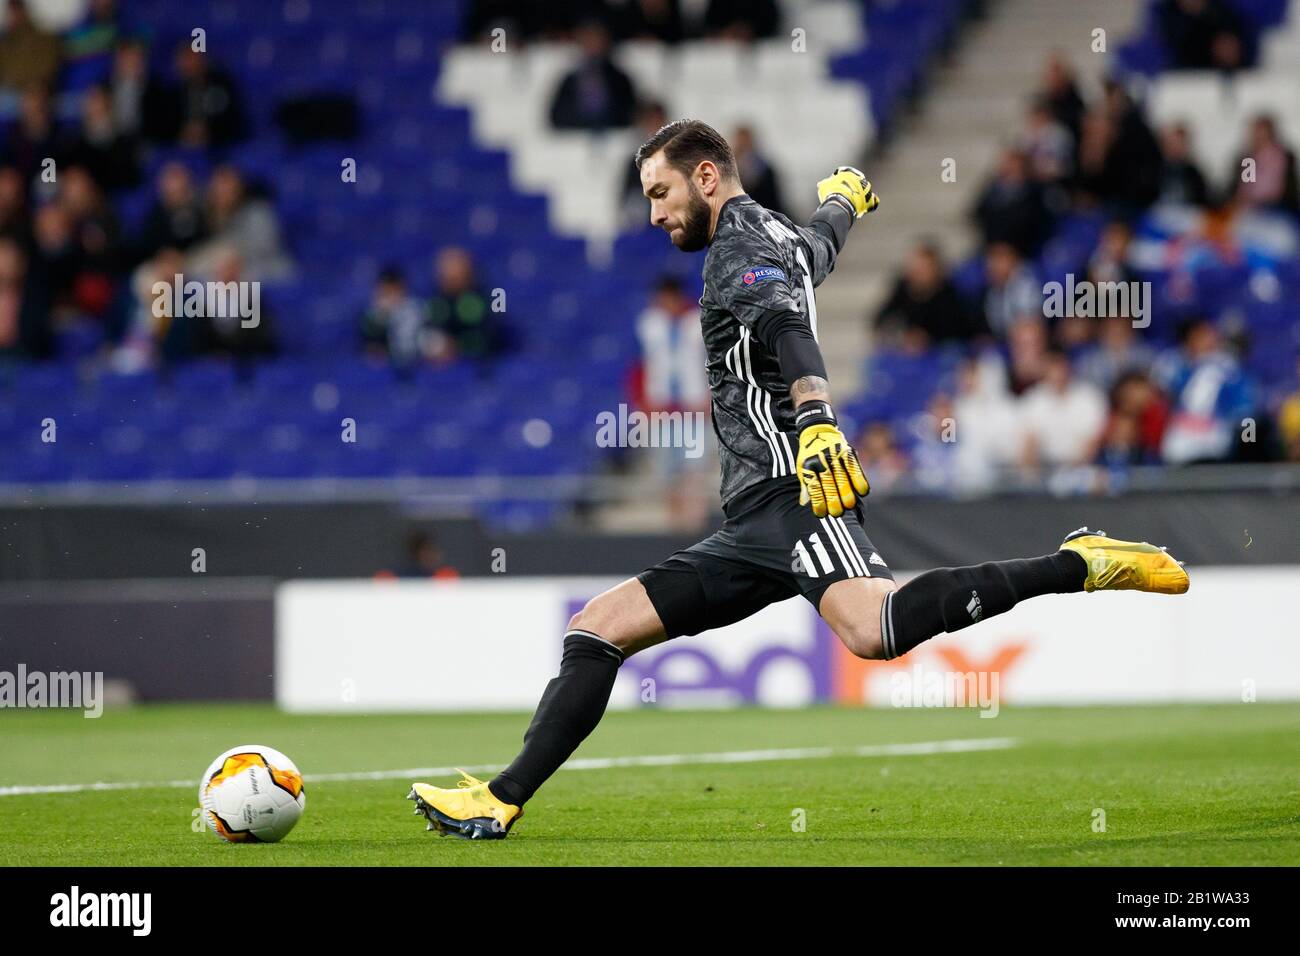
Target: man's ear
[706, 177]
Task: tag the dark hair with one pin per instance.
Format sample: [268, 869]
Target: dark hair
[929, 246]
[392, 275]
[687, 143]
[1186, 328]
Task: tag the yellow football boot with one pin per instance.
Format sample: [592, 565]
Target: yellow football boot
[468, 810]
[1126, 565]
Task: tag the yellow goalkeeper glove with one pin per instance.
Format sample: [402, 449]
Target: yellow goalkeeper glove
[830, 477]
[853, 186]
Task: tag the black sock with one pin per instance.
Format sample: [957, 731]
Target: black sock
[571, 707]
[949, 599]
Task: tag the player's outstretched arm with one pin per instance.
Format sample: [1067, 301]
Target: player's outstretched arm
[844, 196]
[830, 475]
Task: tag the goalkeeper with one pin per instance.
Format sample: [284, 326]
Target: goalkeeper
[792, 487]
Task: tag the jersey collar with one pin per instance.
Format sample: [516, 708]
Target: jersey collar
[738, 200]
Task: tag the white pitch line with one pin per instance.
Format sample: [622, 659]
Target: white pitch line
[588, 763]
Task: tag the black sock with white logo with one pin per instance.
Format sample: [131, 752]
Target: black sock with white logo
[571, 707]
[948, 599]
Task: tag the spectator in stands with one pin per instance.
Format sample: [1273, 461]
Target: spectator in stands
[396, 324]
[1118, 450]
[28, 55]
[742, 20]
[226, 334]
[596, 95]
[1181, 181]
[1110, 260]
[924, 308]
[1012, 208]
[987, 428]
[1027, 348]
[649, 20]
[1209, 398]
[674, 379]
[424, 558]
[1210, 395]
[1047, 144]
[96, 237]
[24, 306]
[142, 106]
[650, 118]
[110, 156]
[144, 339]
[90, 43]
[1060, 417]
[1136, 396]
[208, 107]
[1109, 264]
[15, 222]
[756, 173]
[1117, 353]
[1012, 291]
[880, 457]
[1134, 146]
[1201, 34]
[177, 218]
[55, 261]
[459, 310]
[672, 352]
[234, 217]
[35, 139]
[935, 434]
[1119, 160]
[1274, 184]
[1060, 92]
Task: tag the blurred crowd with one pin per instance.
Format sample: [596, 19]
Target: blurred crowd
[1041, 394]
[68, 261]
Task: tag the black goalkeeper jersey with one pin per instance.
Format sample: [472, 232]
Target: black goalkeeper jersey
[759, 262]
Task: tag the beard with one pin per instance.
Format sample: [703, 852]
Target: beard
[695, 223]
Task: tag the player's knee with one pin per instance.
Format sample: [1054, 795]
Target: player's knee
[585, 619]
[593, 619]
[862, 640]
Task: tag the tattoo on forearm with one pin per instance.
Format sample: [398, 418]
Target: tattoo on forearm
[810, 386]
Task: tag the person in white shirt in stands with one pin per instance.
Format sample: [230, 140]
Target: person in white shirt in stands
[674, 379]
[987, 430]
[1060, 418]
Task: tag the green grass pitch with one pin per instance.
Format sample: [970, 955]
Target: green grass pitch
[1179, 785]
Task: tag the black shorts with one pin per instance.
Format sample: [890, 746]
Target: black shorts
[770, 548]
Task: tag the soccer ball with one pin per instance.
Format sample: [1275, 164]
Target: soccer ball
[252, 794]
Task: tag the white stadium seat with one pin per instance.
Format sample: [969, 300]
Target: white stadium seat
[647, 63]
[545, 161]
[470, 73]
[829, 25]
[704, 65]
[776, 66]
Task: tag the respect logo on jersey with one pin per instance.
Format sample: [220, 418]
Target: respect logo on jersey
[751, 276]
